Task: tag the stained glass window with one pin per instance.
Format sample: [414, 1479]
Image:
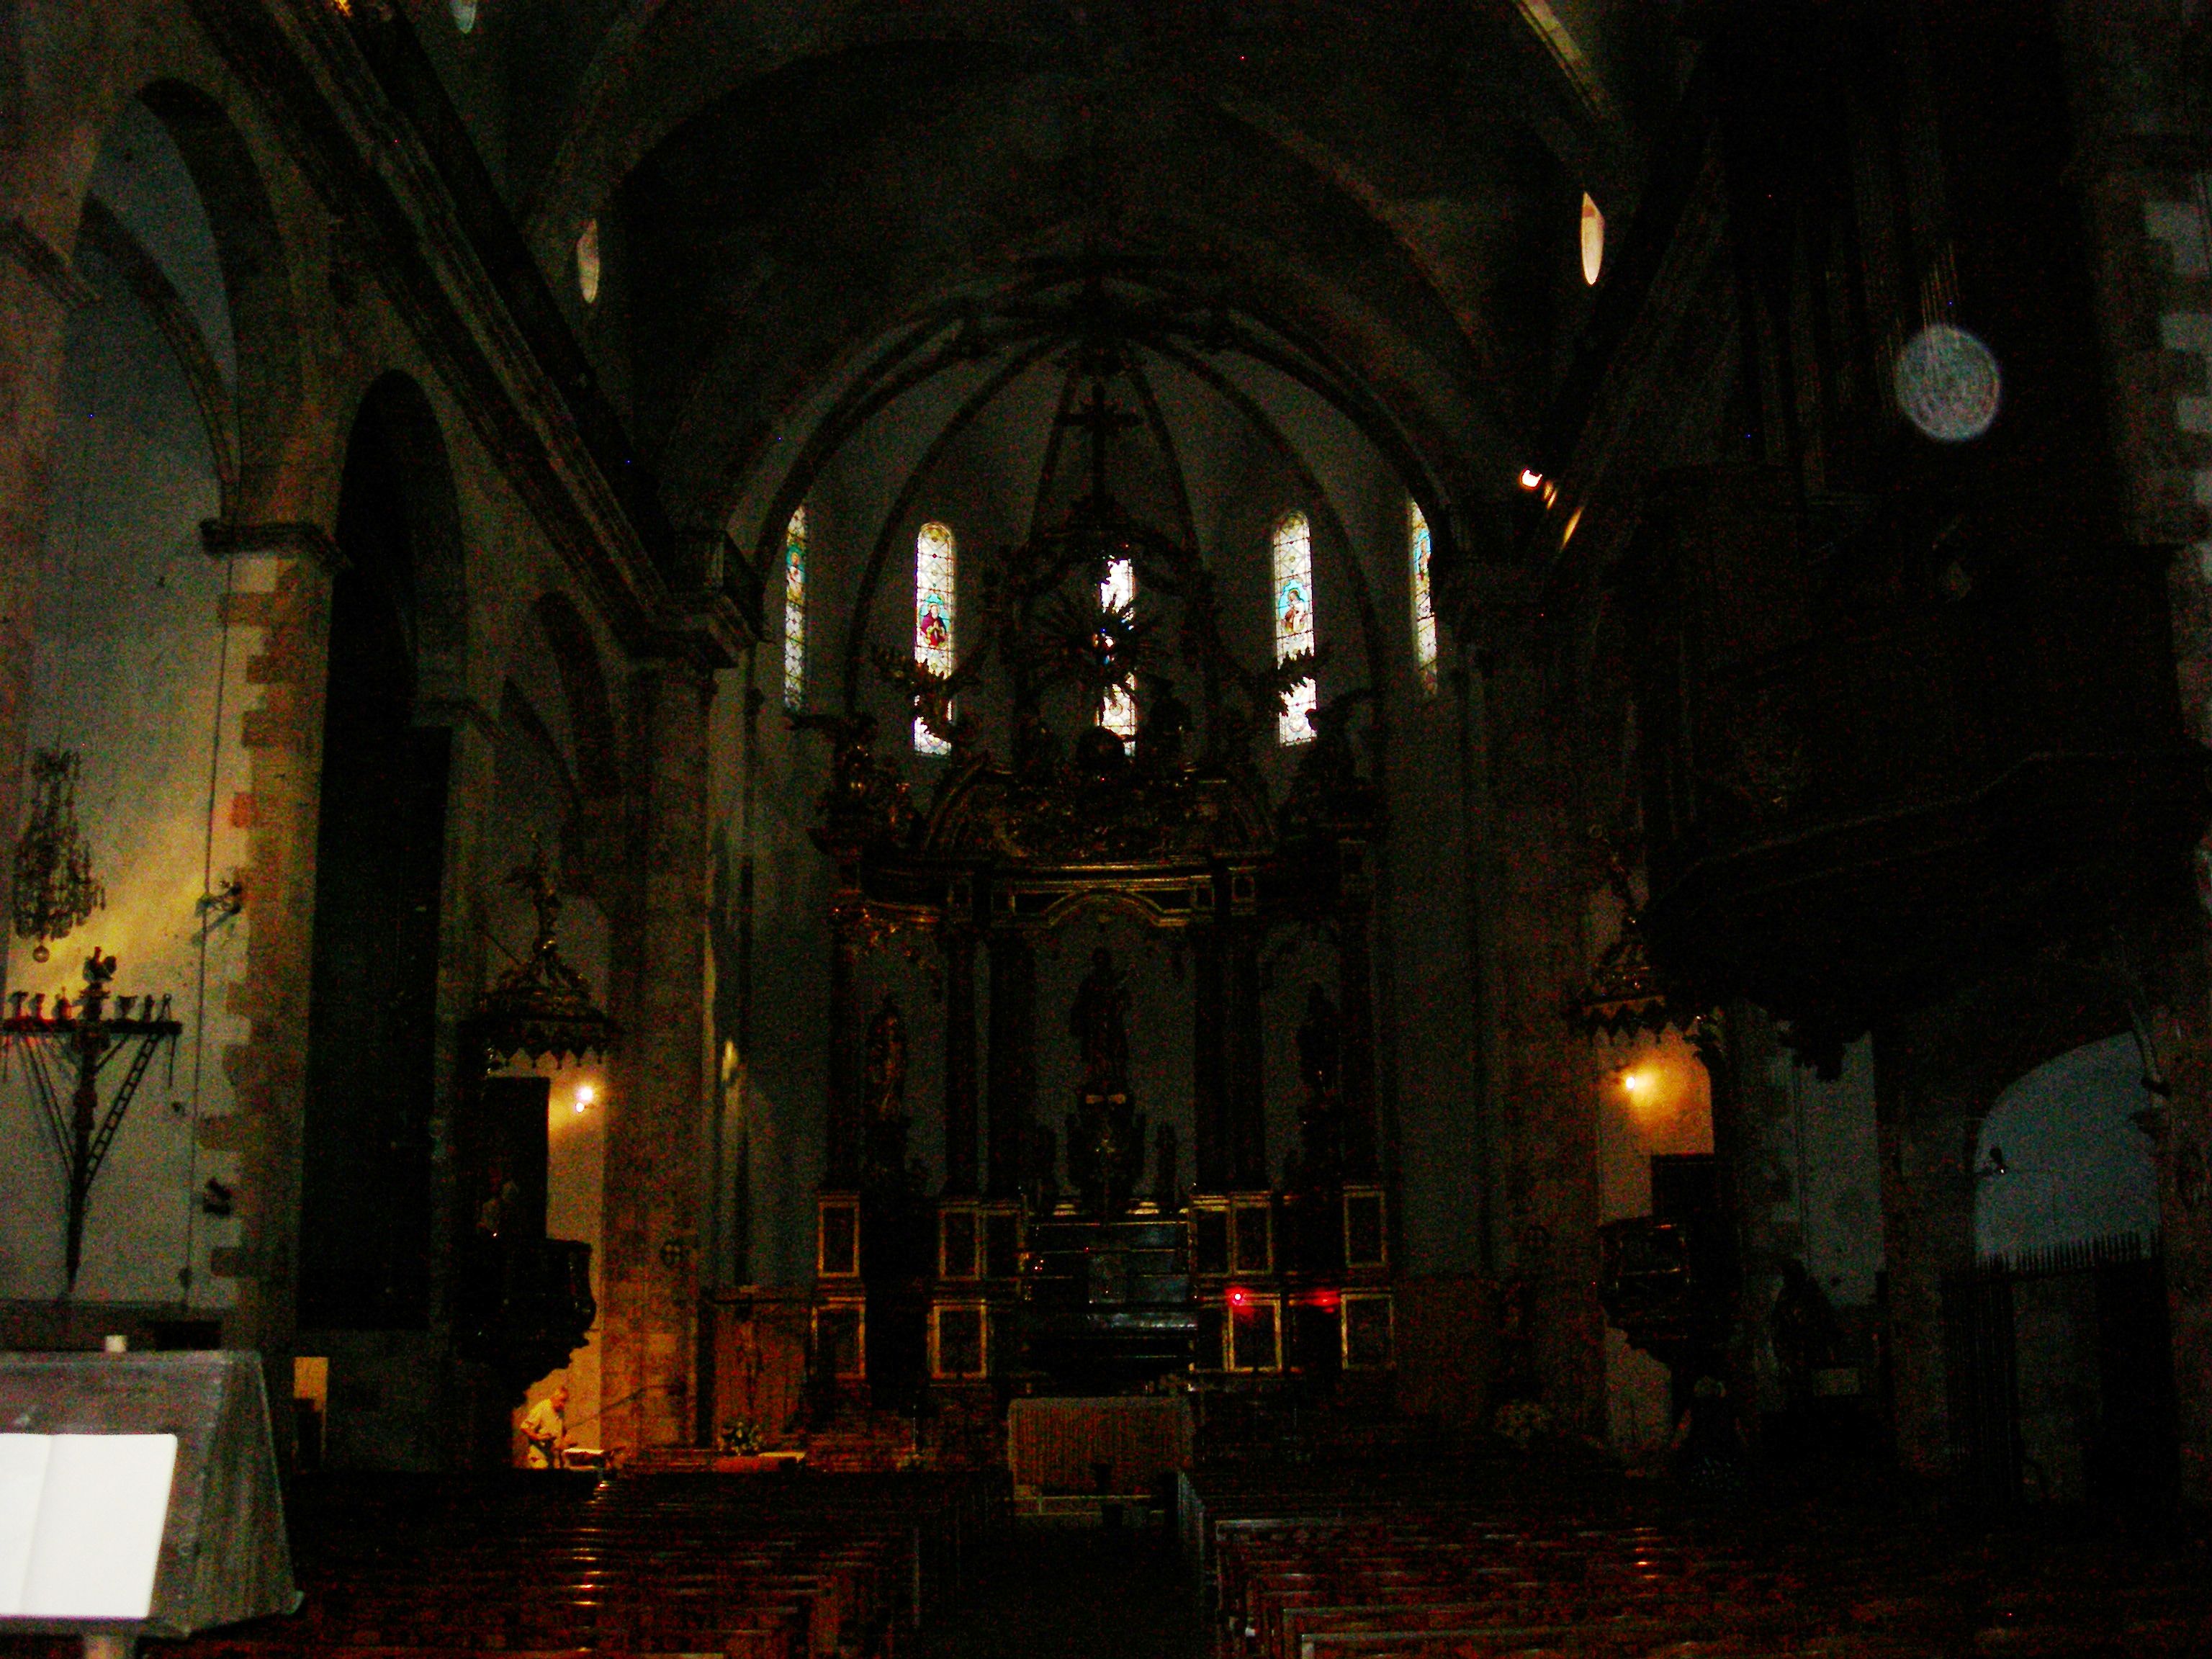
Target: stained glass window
[1117, 709]
[936, 574]
[1294, 620]
[588, 261]
[1425, 602]
[794, 611]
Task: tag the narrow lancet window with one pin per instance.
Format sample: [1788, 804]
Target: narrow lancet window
[588, 261]
[1294, 620]
[1593, 241]
[1425, 602]
[936, 572]
[794, 611]
[1117, 709]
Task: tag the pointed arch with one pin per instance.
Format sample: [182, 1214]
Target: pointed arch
[257, 284]
[584, 690]
[399, 522]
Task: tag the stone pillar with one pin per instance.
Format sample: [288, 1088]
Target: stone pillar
[2178, 993]
[1209, 1062]
[841, 1172]
[959, 946]
[1248, 1101]
[657, 1116]
[285, 632]
[1356, 1001]
[1927, 1141]
[477, 1412]
[1011, 1088]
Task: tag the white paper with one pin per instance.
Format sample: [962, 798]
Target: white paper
[97, 1541]
[22, 1477]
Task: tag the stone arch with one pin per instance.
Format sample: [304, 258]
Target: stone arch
[257, 284]
[401, 523]
[584, 690]
[397, 630]
[2059, 1160]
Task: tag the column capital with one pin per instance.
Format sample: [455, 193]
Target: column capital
[293, 537]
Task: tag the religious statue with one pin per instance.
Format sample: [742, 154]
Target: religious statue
[1321, 1116]
[1806, 1333]
[885, 1097]
[866, 795]
[1166, 721]
[1100, 756]
[1105, 1135]
[1099, 1020]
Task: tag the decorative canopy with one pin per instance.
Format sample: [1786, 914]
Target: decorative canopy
[542, 1006]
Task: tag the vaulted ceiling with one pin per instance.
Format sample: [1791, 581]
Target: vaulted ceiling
[796, 201]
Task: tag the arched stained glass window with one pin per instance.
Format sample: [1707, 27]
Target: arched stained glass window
[1117, 709]
[1425, 602]
[588, 261]
[1593, 240]
[794, 611]
[1294, 620]
[936, 590]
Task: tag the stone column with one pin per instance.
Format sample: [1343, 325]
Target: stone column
[285, 631]
[841, 1172]
[478, 1410]
[2179, 995]
[1248, 1103]
[959, 946]
[1011, 1088]
[1927, 1141]
[1209, 1062]
[658, 1114]
[1356, 998]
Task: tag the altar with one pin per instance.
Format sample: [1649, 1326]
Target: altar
[1067, 1249]
[1119, 1446]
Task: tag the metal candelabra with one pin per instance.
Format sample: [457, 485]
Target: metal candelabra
[67, 1046]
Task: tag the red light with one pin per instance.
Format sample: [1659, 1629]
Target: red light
[1531, 479]
[1327, 1301]
[1239, 1297]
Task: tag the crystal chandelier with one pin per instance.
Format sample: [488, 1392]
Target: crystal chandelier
[55, 891]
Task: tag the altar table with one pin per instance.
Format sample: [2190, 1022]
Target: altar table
[1057, 1445]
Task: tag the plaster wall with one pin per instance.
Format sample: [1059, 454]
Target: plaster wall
[135, 671]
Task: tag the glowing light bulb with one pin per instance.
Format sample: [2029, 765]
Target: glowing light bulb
[585, 1095]
[1633, 1081]
[1531, 479]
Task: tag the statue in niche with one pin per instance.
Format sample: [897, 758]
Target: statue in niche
[1036, 750]
[1320, 1116]
[884, 1097]
[1105, 1135]
[1806, 1333]
[1101, 757]
[1166, 723]
[1100, 1020]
